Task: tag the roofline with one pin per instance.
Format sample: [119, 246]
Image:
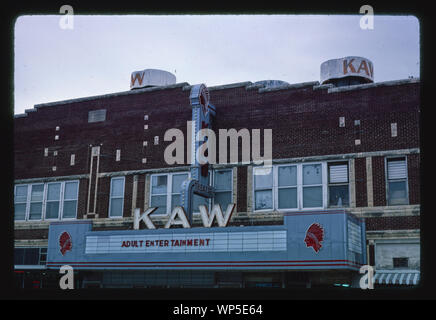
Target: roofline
[247, 84]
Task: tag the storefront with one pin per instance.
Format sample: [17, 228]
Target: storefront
[251, 256]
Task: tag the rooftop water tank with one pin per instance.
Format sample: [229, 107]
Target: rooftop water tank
[151, 78]
[347, 71]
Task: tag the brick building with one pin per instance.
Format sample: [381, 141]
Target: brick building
[97, 159]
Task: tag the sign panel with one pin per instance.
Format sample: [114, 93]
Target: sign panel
[354, 237]
[188, 242]
[308, 240]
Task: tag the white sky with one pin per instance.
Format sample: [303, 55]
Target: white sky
[99, 54]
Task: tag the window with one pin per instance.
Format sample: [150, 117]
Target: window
[263, 186]
[116, 202]
[159, 193]
[30, 256]
[36, 197]
[312, 186]
[166, 191]
[338, 188]
[223, 188]
[70, 199]
[53, 200]
[97, 115]
[287, 187]
[397, 181]
[176, 186]
[284, 187]
[20, 202]
[400, 262]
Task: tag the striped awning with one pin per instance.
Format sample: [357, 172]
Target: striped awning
[403, 277]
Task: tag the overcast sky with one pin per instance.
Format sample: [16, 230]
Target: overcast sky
[98, 55]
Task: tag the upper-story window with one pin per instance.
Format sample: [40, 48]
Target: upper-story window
[301, 186]
[396, 181]
[46, 201]
[222, 182]
[166, 190]
[116, 202]
[338, 184]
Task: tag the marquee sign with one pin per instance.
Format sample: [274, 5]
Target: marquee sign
[187, 242]
[297, 244]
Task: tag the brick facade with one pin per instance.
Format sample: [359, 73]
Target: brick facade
[304, 120]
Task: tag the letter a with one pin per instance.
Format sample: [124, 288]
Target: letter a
[66, 281]
[367, 21]
[178, 146]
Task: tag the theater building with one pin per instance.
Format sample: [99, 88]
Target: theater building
[94, 189]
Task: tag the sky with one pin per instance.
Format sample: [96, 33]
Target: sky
[99, 54]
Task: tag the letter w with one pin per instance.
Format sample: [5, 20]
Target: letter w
[138, 76]
[216, 212]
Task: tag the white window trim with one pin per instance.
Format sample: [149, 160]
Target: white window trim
[29, 201]
[339, 184]
[63, 199]
[110, 197]
[212, 182]
[44, 205]
[26, 203]
[169, 192]
[44, 200]
[300, 186]
[387, 180]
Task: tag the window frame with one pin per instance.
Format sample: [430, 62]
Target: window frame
[387, 180]
[262, 189]
[329, 164]
[44, 206]
[26, 208]
[118, 197]
[276, 187]
[169, 192]
[300, 186]
[29, 201]
[45, 200]
[212, 182]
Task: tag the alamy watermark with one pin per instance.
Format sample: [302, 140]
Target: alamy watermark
[67, 280]
[67, 21]
[367, 280]
[204, 148]
[367, 21]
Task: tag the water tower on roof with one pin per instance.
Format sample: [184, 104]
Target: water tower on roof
[347, 71]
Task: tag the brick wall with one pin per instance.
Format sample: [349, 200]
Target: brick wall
[379, 181]
[361, 187]
[393, 223]
[304, 121]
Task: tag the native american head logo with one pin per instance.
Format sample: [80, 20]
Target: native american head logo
[314, 236]
[65, 242]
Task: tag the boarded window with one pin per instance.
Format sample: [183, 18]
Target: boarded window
[97, 115]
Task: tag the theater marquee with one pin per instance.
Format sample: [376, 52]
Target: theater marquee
[188, 242]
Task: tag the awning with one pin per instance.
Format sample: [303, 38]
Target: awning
[398, 277]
